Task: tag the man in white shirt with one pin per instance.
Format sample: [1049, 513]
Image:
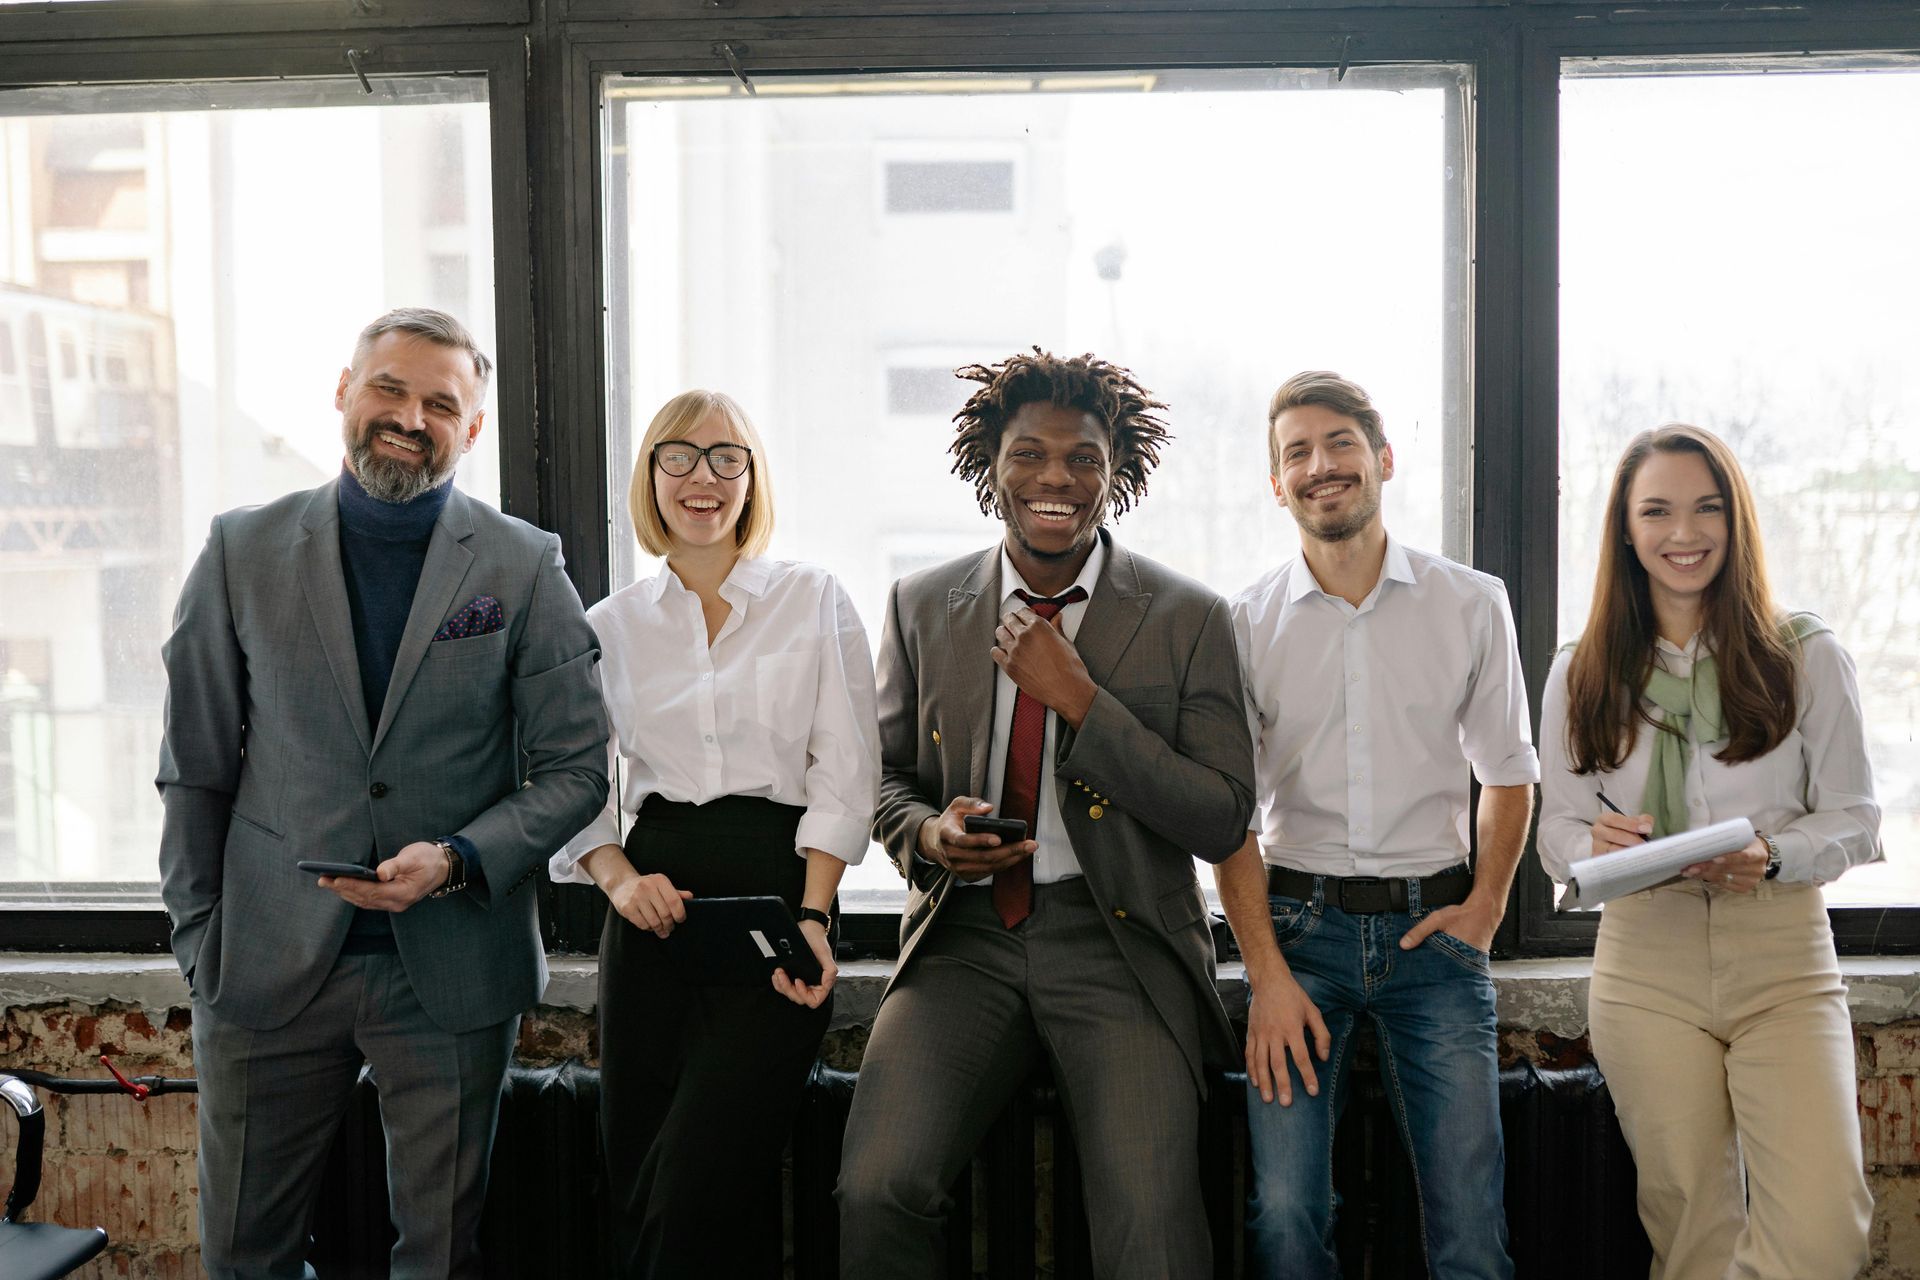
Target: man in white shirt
[1377, 676]
[1093, 695]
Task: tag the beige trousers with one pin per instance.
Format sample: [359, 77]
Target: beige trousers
[1721, 1024]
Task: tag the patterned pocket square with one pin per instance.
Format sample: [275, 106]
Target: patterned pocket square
[483, 616]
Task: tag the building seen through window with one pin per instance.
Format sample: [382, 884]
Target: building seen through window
[829, 250]
[179, 289]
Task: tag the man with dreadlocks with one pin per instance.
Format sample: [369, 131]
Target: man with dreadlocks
[1059, 680]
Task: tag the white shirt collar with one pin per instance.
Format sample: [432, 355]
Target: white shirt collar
[747, 580]
[1395, 567]
[1011, 581]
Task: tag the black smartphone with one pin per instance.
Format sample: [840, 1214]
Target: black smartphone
[1010, 830]
[345, 870]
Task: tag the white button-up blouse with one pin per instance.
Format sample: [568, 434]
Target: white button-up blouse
[781, 705]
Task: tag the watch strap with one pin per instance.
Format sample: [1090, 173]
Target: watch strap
[1773, 855]
[814, 914]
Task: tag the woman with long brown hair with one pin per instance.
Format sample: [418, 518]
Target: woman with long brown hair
[1716, 1007]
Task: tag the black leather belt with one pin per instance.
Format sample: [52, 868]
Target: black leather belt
[1365, 895]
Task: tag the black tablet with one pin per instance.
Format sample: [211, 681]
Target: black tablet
[742, 940]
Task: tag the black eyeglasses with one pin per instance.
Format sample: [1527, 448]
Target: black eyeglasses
[680, 457]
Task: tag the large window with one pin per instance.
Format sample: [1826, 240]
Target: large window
[830, 249]
[1738, 252]
[182, 271]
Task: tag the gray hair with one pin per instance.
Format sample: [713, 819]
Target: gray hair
[434, 326]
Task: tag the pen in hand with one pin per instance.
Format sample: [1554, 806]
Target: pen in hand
[1617, 809]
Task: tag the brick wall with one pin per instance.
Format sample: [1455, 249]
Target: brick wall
[129, 1166]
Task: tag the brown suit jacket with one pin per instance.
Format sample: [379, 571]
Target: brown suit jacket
[1161, 771]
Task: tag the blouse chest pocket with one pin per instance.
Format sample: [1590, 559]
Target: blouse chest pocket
[784, 688]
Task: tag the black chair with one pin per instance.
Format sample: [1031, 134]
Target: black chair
[36, 1250]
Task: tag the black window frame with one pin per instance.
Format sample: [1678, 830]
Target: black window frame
[544, 62]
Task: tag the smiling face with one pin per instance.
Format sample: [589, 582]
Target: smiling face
[1330, 477]
[407, 414]
[1052, 480]
[1677, 524]
[700, 509]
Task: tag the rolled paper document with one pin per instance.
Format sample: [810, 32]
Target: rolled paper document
[1592, 881]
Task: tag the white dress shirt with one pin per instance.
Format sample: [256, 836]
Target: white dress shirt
[1366, 719]
[781, 705]
[1813, 793]
[1054, 859]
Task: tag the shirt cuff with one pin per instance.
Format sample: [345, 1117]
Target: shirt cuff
[470, 856]
[1515, 771]
[835, 833]
[1796, 857]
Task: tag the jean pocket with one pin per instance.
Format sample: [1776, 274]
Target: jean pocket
[1293, 920]
[1465, 953]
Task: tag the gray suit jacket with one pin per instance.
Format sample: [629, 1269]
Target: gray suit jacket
[1160, 772]
[268, 758]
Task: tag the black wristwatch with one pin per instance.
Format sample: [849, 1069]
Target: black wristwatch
[814, 914]
[1773, 855]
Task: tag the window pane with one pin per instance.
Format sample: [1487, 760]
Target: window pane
[1738, 252]
[179, 290]
[830, 250]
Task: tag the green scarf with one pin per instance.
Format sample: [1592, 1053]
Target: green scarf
[1692, 702]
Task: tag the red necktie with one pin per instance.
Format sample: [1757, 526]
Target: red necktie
[1020, 788]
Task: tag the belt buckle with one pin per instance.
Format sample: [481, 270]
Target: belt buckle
[1365, 895]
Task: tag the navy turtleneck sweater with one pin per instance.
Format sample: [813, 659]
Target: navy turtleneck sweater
[383, 547]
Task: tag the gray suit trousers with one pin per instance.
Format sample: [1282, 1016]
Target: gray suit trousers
[271, 1101]
[958, 1033]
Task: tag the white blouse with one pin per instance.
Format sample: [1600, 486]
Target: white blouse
[781, 705]
[1813, 793]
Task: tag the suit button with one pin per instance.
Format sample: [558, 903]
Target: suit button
[377, 790]
[936, 737]
[1119, 913]
[1096, 813]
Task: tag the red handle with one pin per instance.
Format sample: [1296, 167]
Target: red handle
[139, 1091]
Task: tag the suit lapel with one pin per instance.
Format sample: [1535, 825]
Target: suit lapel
[325, 585]
[448, 560]
[1113, 614]
[973, 611]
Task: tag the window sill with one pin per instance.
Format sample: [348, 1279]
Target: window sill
[1543, 995]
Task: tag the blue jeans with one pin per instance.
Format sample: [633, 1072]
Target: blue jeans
[1432, 1009]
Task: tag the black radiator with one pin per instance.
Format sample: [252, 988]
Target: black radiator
[1569, 1197]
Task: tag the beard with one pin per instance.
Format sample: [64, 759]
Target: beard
[1342, 527]
[390, 479]
[1004, 502]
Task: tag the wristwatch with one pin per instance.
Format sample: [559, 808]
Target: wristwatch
[1773, 855]
[814, 914]
[456, 871]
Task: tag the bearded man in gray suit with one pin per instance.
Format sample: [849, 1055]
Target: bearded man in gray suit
[1093, 694]
[380, 671]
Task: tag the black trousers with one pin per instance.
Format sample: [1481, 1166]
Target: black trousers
[699, 1083]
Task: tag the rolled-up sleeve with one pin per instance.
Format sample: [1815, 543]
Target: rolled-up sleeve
[843, 746]
[1495, 730]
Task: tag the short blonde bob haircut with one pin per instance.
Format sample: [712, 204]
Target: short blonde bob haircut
[679, 418]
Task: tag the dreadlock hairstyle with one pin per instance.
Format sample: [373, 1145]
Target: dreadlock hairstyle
[1085, 382]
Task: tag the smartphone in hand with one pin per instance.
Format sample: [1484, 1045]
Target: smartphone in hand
[345, 870]
[1010, 830]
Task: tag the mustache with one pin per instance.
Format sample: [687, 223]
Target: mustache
[393, 428]
[1313, 484]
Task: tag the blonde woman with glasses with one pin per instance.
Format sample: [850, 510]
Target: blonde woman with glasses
[746, 762]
